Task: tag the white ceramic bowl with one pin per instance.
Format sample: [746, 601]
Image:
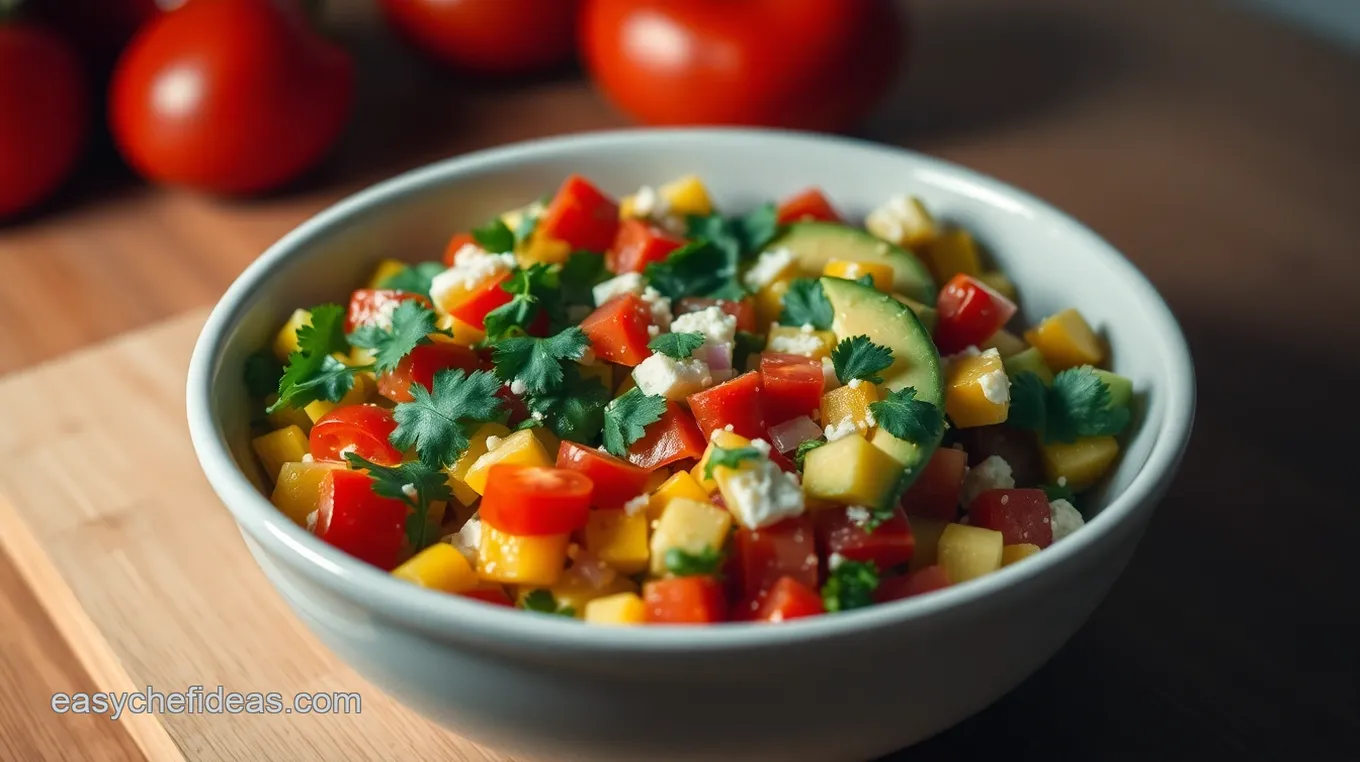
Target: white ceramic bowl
[842, 687]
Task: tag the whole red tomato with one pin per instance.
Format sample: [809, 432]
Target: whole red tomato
[805, 64]
[229, 96]
[498, 37]
[99, 28]
[44, 114]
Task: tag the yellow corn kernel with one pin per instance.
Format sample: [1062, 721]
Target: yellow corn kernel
[927, 535]
[286, 342]
[967, 552]
[999, 282]
[477, 447]
[928, 316]
[977, 391]
[521, 448]
[685, 196]
[681, 484]
[952, 253]
[521, 559]
[1066, 341]
[793, 340]
[1012, 553]
[465, 334]
[618, 539]
[540, 248]
[1005, 342]
[849, 406]
[1082, 463]
[279, 447]
[298, 490]
[688, 525]
[439, 567]
[386, 269]
[724, 439]
[904, 221]
[576, 592]
[882, 274]
[769, 301]
[287, 416]
[850, 471]
[601, 370]
[619, 609]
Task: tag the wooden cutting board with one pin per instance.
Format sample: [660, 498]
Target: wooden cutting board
[108, 517]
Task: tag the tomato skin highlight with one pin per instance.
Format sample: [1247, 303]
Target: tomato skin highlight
[362, 429]
[367, 305]
[617, 330]
[674, 437]
[351, 517]
[792, 384]
[935, 493]
[790, 599]
[421, 365]
[1020, 515]
[810, 204]
[969, 313]
[787, 549]
[924, 580]
[684, 600]
[581, 215]
[736, 402]
[536, 500]
[458, 33]
[616, 480]
[638, 244]
[888, 545]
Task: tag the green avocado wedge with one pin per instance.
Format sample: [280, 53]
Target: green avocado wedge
[816, 243]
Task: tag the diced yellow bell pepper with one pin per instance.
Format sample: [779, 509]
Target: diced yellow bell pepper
[514, 217]
[477, 447]
[619, 539]
[769, 301]
[287, 416]
[548, 439]
[681, 484]
[386, 269]
[793, 340]
[998, 282]
[576, 592]
[967, 552]
[540, 248]
[927, 533]
[904, 221]
[279, 447]
[365, 384]
[1082, 463]
[464, 334]
[298, 490]
[952, 253]
[928, 315]
[286, 341]
[685, 196]
[691, 526]
[618, 609]
[521, 559]
[1066, 341]
[1012, 553]
[849, 405]
[1031, 360]
[850, 471]
[439, 567]
[1005, 342]
[882, 274]
[724, 439]
[977, 390]
[522, 448]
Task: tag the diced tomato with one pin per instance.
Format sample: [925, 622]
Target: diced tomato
[1020, 515]
[421, 364]
[356, 520]
[369, 304]
[514, 405]
[888, 545]
[536, 500]
[617, 330]
[360, 429]
[1018, 448]
[458, 241]
[581, 215]
[969, 312]
[736, 402]
[924, 580]
[616, 480]
[793, 386]
[811, 204]
[495, 595]
[684, 600]
[935, 493]
[482, 300]
[790, 599]
[674, 437]
[787, 549]
[744, 310]
[639, 244]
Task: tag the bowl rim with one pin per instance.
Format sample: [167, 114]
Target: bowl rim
[457, 617]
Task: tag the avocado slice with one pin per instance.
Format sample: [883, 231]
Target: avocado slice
[816, 243]
[860, 310]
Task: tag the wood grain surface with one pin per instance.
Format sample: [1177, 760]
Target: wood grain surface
[1217, 149]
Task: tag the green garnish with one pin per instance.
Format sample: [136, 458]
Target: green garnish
[582, 271]
[574, 409]
[415, 483]
[626, 419]
[806, 304]
[435, 422]
[804, 448]
[412, 324]
[543, 602]
[682, 563]
[746, 344]
[857, 357]
[533, 290]
[1058, 492]
[494, 237]
[740, 237]
[262, 373]
[415, 278]
[850, 585]
[904, 416]
[730, 457]
[677, 345]
[699, 268]
[312, 373]
[537, 363]
[1076, 405]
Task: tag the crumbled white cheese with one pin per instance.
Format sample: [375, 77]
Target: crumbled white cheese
[804, 344]
[653, 331]
[834, 560]
[673, 379]
[841, 429]
[636, 505]
[857, 513]
[807, 327]
[1066, 518]
[996, 387]
[992, 473]
[409, 490]
[855, 383]
[518, 387]
[767, 267]
[468, 539]
[537, 416]
[729, 427]
[660, 307]
[759, 444]
[901, 220]
[1005, 499]
[472, 266]
[1062, 481]
[717, 326]
[762, 495]
[648, 203]
[628, 283]
[307, 457]
[492, 442]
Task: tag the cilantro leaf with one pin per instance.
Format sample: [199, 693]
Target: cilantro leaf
[805, 304]
[538, 362]
[677, 345]
[412, 324]
[746, 344]
[325, 333]
[435, 422]
[1029, 406]
[262, 373]
[415, 278]
[730, 457]
[850, 585]
[804, 448]
[575, 409]
[908, 418]
[865, 280]
[739, 237]
[494, 237]
[582, 271]
[534, 290]
[415, 483]
[526, 227]
[543, 602]
[682, 563]
[698, 268]
[626, 419]
[857, 357]
[1079, 406]
[1058, 492]
[305, 381]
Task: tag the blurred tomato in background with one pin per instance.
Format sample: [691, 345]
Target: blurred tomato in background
[99, 28]
[494, 37]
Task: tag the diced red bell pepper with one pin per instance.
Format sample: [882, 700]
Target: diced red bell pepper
[494, 595]
[458, 241]
[787, 549]
[617, 330]
[361, 429]
[1020, 515]
[737, 402]
[744, 310]
[616, 480]
[888, 545]
[581, 215]
[790, 599]
[421, 364]
[638, 244]
[482, 300]
[369, 304]
[810, 204]
[969, 311]
[536, 500]
[684, 600]
[354, 519]
[923, 580]
[935, 493]
[793, 386]
[674, 437]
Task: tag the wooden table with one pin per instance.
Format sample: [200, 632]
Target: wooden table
[1220, 151]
